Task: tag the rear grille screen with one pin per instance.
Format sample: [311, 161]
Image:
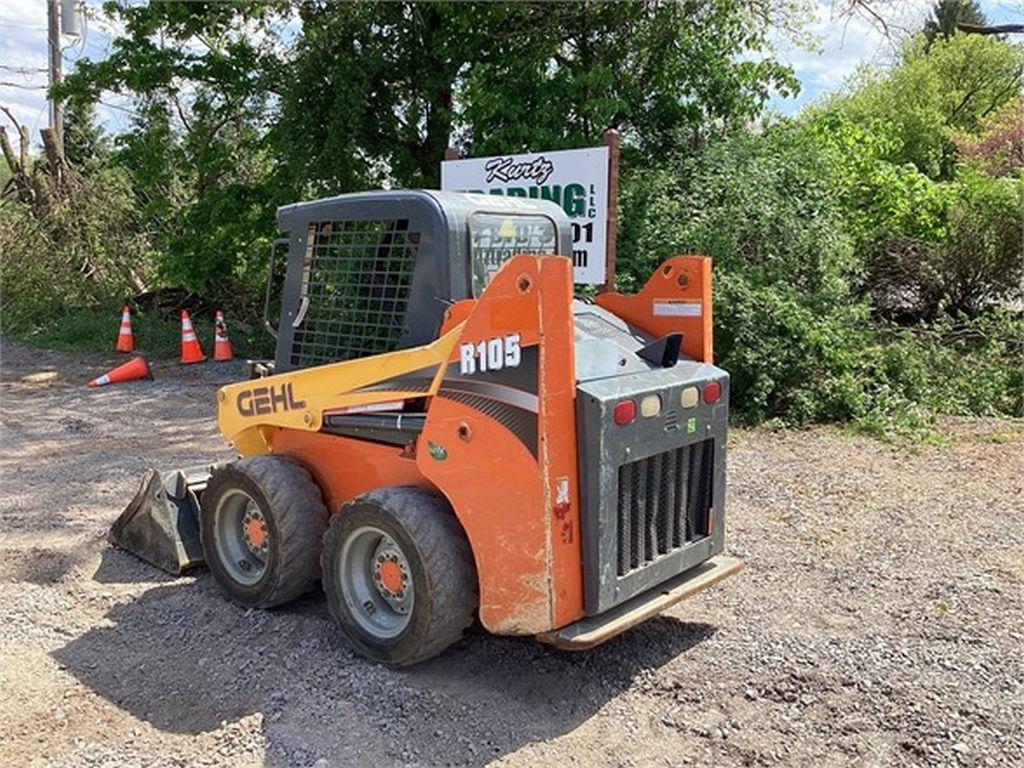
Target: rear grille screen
[663, 503]
[355, 290]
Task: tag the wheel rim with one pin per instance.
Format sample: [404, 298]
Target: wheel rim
[376, 581]
[242, 537]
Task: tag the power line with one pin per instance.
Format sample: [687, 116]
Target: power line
[15, 25]
[115, 106]
[23, 70]
[7, 84]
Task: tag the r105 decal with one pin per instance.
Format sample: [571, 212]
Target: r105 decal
[490, 355]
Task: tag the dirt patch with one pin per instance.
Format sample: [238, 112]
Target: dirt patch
[37, 565]
[880, 620]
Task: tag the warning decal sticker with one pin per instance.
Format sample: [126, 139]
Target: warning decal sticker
[670, 308]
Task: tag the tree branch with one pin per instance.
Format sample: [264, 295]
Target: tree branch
[181, 111]
[8, 150]
[18, 165]
[995, 29]
[10, 116]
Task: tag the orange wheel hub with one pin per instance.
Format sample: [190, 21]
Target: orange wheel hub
[391, 576]
[255, 532]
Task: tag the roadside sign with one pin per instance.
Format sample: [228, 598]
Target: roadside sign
[575, 179]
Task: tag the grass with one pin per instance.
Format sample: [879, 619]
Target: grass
[155, 335]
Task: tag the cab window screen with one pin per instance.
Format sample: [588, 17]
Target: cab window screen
[356, 280]
[495, 238]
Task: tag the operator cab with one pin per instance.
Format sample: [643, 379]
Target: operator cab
[374, 272]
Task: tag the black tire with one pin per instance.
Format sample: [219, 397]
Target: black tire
[443, 573]
[295, 518]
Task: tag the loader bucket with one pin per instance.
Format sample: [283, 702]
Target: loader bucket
[161, 524]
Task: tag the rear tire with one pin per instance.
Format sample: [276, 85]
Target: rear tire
[399, 575]
[262, 522]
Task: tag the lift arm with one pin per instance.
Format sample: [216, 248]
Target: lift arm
[248, 412]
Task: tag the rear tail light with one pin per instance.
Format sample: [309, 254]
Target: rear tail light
[712, 391]
[624, 412]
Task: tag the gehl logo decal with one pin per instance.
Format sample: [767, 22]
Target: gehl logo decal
[260, 401]
[490, 355]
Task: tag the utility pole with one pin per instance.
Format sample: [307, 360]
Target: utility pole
[53, 40]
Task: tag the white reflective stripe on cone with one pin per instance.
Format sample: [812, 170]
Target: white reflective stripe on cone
[104, 379]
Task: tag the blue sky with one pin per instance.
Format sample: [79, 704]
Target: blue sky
[843, 44]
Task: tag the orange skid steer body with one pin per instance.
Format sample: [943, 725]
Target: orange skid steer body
[549, 465]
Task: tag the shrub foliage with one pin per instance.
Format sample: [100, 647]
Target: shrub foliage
[86, 248]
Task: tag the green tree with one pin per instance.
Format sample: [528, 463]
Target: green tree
[932, 94]
[237, 110]
[376, 92]
[935, 239]
[201, 76]
[947, 14]
[664, 74]
[371, 90]
[86, 145]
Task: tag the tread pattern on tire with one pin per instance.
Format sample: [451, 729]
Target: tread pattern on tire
[299, 515]
[450, 567]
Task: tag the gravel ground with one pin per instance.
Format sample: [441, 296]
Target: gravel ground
[880, 620]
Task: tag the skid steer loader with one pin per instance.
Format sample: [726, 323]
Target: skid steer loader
[447, 434]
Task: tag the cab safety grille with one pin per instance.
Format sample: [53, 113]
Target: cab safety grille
[663, 503]
[355, 289]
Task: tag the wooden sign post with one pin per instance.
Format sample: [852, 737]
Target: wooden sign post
[611, 140]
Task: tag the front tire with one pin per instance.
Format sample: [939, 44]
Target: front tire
[399, 575]
[262, 522]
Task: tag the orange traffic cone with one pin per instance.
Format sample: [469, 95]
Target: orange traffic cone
[136, 368]
[124, 336]
[221, 343]
[191, 352]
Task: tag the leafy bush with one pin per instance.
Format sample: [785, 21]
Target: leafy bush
[765, 205]
[935, 93]
[87, 249]
[998, 148]
[207, 200]
[928, 247]
[798, 221]
[791, 360]
[765, 209]
[981, 263]
[965, 366]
